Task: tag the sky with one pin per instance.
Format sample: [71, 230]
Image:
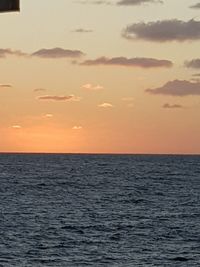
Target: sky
[95, 76]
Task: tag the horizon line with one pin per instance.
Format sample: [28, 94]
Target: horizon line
[101, 153]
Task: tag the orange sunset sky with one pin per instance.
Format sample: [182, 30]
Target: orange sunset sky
[87, 76]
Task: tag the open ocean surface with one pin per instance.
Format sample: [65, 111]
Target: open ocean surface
[99, 210]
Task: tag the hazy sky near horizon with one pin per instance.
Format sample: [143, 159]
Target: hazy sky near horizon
[118, 76]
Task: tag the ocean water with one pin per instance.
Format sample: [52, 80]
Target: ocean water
[99, 210]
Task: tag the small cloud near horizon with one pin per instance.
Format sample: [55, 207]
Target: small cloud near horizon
[172, 106]
[91, 87]
[16, 127]
[77, 127]
[48, 115]
[58, 98]
[105, 105]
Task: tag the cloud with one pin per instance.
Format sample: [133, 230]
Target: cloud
[57, 53]
[177, 88]
[58, 98]
[119, 2]
[164, 31]
[172, 106]
[16, 127]
[48, 115]
[95, 2]
[77, 127]
[5, 85]
[129, 62]
[43, 53]
[39, 90]
[105, 105]
[81, 30]
[194, 63]
[91, 87]
[196, 75]
[7, 52]
[195, 6]
[136, 2]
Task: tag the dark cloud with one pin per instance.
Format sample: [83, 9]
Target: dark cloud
[57, 53]
[129, 62]
[82, 30]
[5, 85]
[58, 98]
[177, 88]
[172, 106]
[164, 31]
[196, 75]
[194, 63]
[195, 6]
[136, 2]
[8, 52]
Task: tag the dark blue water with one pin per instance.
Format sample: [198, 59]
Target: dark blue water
[99, 210]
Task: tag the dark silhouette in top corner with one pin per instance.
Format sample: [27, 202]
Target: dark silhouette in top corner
[9, 5]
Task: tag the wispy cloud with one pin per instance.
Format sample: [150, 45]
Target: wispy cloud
[105, 105]
[77, 127]
[9, 52]
[82, 30]
[194, 63]
[57, 53]
[196, 75]
[5, 85]
[172, 106]
[164, 31]
[58, 98]
[48, 115]
[195, 6]
[136, 2]
[177, 88]
[94, 2]
[91, 87]
[129, 62]
[17, 127]
[119, 2]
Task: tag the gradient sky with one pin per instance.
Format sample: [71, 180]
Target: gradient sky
[100, 77]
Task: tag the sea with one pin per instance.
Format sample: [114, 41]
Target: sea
[74, 210]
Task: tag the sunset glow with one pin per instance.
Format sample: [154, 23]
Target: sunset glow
[100, 77]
